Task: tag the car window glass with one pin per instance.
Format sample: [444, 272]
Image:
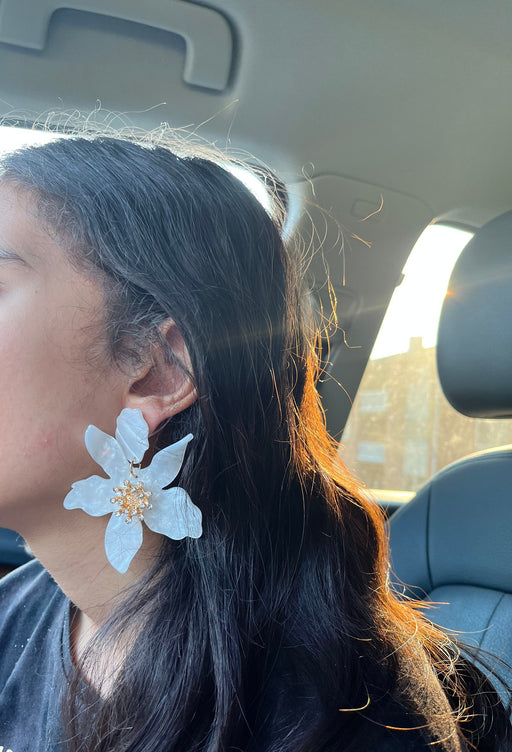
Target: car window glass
[401, 429]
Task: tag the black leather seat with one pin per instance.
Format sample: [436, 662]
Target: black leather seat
[452, 543]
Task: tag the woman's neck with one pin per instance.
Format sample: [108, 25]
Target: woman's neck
[71, 547]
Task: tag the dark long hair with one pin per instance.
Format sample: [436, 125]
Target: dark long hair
[276, 630]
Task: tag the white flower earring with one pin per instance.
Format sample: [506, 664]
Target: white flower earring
[134, 494]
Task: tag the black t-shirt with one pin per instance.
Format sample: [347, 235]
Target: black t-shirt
[35, 660]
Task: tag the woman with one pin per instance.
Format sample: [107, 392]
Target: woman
[247, 607]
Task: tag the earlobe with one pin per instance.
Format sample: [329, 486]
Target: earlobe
[166, 388]
[157, 407]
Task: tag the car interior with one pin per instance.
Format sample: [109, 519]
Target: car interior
[377, 122]
[452, 540]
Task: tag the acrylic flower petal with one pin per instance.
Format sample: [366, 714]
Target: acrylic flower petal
[166, 464]
[122, 541]
[132, 434]
[104, 450]
[92, 495]
[173, 514]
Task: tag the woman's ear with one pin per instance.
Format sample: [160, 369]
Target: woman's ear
[165, 388]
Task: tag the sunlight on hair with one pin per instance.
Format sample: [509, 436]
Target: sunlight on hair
[13, 137]
[253, 183]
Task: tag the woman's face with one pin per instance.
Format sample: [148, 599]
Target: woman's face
[55, 376]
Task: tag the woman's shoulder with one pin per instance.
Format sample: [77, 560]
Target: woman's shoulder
[34, 657]
[33, 611]
[22, 577]
[27, 593]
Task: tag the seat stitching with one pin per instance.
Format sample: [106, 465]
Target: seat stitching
[498, 603]
[427, 538]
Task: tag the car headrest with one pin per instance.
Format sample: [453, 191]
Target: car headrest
[474, 350]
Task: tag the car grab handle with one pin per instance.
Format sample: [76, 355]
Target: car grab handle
[207, 34]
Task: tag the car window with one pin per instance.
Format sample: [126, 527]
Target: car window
[401, 429]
